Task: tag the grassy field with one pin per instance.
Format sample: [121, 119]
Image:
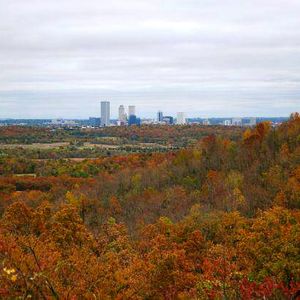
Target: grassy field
[43, 146]
[35, 145]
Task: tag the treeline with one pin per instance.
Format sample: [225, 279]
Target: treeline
[29, 135]
[11, 156]
[172, 135]
[219, 219]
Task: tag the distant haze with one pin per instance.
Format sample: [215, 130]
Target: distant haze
[60, 58]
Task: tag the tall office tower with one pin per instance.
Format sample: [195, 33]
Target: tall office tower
[131, 110]
[160, 116]
[105, 113]
[181, 118]
[122, 114]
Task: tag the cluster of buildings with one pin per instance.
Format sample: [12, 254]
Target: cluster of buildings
[164, 119]
[234, 122]
[239, 122]
[130, 117]
[124, 118]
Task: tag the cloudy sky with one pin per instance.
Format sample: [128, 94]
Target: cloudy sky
[60, 58]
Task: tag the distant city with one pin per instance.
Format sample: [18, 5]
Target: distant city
[130, 118]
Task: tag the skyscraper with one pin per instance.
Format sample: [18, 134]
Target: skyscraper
[122, 114]
[131, 110]
[160, 116]
[181, 118]
[105, 113]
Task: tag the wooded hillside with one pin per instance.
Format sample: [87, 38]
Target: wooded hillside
[218, 219]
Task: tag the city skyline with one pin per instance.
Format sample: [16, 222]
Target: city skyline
[115, 106]
[114, 115]
[207, 58]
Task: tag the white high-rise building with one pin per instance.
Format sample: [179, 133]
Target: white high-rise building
[105, 113]
[122, 114]
[181, 118]
[131, 110]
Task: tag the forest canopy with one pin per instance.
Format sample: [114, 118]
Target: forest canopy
[214, 217]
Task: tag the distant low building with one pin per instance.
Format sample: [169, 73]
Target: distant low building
[252, 121]
[133, 120]
[63, 122]
[94, 122]
[168, 120]
[237, 121]
[206, 122]
[227, 122]
[57, 121]
[148, 121]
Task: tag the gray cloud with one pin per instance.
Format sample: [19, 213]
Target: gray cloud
[208, 58]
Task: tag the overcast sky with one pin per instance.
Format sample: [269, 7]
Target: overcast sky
[60, 58]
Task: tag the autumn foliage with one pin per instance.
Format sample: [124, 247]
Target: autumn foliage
[216, 220]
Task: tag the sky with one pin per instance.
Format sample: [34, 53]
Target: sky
[222, 58]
